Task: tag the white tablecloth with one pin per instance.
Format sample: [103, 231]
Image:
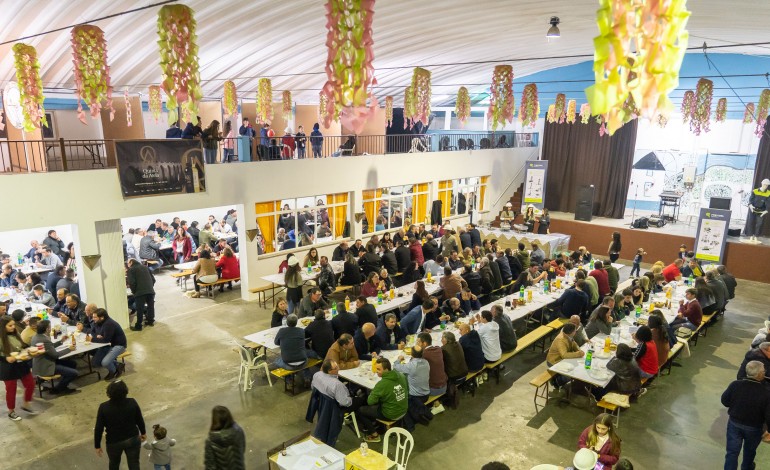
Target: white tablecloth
[278, 278]
[551, 243]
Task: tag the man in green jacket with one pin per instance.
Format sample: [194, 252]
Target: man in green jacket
[613, 276]
[388, 399]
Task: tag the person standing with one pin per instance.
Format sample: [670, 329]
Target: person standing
[748, 403]
[316, 141]
[13, 367]
[614, 249]
[229, 142]
[247, 130]
[301, 140]
[226, 442]
[141, 282]
[287, 150]
[107, 330]
[122, 419]
[211, 137]
[543, 228]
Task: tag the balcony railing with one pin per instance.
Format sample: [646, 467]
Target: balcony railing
[35, 156]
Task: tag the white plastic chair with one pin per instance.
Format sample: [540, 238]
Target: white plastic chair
[403, 449]
[250, 362]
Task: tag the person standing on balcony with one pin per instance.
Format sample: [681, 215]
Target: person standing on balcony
[316, 141]
[301, 140]
[287, 151]
[247, 131]
[229, 142]
[211, 137]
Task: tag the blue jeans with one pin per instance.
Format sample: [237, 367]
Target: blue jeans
[291, 306]
[316, 151]
[683, 323]
[636, 267]
[68, 371]
[108, 357]
[168, 465]
[739, 435]
[210, 155]
[155, 267]
[300, 152]
[225, 159]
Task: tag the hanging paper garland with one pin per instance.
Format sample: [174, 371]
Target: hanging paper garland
[179, 60]
[701, 113]
[323, 102]
[265, 101]
[30, 86]
[463, 105]
[155, 104]
[230, 99]
[349, 69]
[661, 120]
[658, 31]
[409, 107]
[129, 119]
[762, 110]
[286, 104]
[560, 107]
[571, 110]
[422, 94]
[529, 107]
[748, 115]
[501, 96]
[603, 125]
[585, 113]
[389, 110]
[688, 106]
[92, 74]
[721, 114]
[551, 116]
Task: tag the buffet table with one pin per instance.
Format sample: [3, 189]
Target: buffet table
[551, 243]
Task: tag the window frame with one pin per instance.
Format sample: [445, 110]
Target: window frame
[400, 199]
[314, 210]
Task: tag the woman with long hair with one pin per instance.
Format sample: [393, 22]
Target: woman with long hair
[311, 257]
[280, 313]
[351, 273]
[646, 352]
[670, 334]
[226, 442]
[293, 280]
[614, 249]
[705, 296]
[181, 246]
[211, 137]
[545, 223]
[229, 267]
[204, 271]
[529, 218]
[371, 286]
[122, 418]
[229, 143]
[420, 295]
[601, 438]
[15, 365]
[660, 337]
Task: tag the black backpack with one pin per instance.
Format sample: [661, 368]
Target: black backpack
[641, 222]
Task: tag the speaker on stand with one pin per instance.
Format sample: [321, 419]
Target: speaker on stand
[585, 203]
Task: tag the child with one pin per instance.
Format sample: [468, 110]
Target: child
[682, 251]
[638, 262]
[161, 448]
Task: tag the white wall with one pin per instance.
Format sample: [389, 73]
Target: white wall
[201, 215]
[17, 241]
[729, 136]
[68, 126]
[152, 129]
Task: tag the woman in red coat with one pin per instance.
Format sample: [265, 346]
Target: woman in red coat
[601, 438]
[181, 246]
[289, 144]
[231, 268]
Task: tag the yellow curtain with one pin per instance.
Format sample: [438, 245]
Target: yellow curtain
[372, 206]
[482, 192]
[266, 223]
[445, 195]
[340, 214]
[420, 203]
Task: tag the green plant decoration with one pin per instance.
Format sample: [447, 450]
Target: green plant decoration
[265, 101]
[230, 99]
[30, 86]
[529, 109]
[179, 60]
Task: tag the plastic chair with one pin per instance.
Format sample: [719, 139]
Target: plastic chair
[403, 449]
[250, 362]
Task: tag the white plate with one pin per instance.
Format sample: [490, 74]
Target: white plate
[599, 374]
[564, 367]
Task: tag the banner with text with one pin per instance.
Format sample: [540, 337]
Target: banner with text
[535, 174]
[711, 238]
[159, 167]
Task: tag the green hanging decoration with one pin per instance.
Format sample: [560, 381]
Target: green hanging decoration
[179, 60]
[30, 86]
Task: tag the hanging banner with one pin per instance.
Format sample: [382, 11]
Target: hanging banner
[534, 183]
[158, 167]
[711, 237]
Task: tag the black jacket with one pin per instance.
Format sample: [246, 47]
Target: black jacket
[487, 279]
[754, 355]
[465, 240]
[475, 237]
[327, 280]
[329, 417]
[351, 275]
[473, 279]
[365, 347]
[390, 262]
[498, 278]
[366, 314]
[344, 323]
[339, 254]
[430, 250]
[140, 279]
[370, 262]
[627, 378]
[403, 258]
[515, 264]
[321, 336]
[730, 283]
[224, 449]
[384, 336]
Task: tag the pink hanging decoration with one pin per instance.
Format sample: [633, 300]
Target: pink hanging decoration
[179, 60]
[349, 68]
[571, 105]
[602, 127]
[688, 106]
[92, 74]
[409, 108]
[551, 116]
[230, 99]
[389, 110]
[748, 115]
[129, 120]
[721, 115]
[155, 103]
[762, 110]
[286, 104]
[421, 95]
[585, 113]
[30, 86]
[661, 120]
[701, 114]
[463, 105]
[2, 124]
[501, 96]
[324, 107]
[560, 107]
[529, 109]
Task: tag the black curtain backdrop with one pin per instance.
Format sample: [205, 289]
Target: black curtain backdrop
[762, 168]
[579, 156]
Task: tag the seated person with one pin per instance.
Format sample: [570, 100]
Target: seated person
[508, 340]
[280, 313]
[365, 312]
[580, 333]
[434, 266]
[454, 261]
[291, 340]
[535, 275]
[204, 271]
[340, 252]
[472, 350]
[30, 331]
[690, 314]
[563, 347]
[39, 295]
[390, 334]
[327, 279]
[8, 276]
[417, 372]
[372, 286]
[454, 358]
[370, 262]
[451, 284]
[435, 357]
[468, 301]
[452, 309]
[624, 305]
[312, 302]
[628, 378]
[229, 266]
[48, 259]
[149, 250]
[320, 334]
[473, 280]
[537, 255]
[386, 281]
[573, 301]
[646, 353]
[672, 271]
[54, 277]
[344, 321]
[489, 332]
[327, 382]
[601, 319]
[344, 353]
[50, 363]
[351, 273]
[414, 321]
[74, 312]
[388, 400]
[367, 343]
[61, 300]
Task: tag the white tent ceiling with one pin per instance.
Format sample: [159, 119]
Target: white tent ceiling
[244, 40]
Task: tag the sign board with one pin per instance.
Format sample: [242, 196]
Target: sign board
[535, 174]
[711, 238]
[159, 167]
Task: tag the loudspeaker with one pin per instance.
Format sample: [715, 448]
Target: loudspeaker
[720, 203]
[734, 232]
[585, 203]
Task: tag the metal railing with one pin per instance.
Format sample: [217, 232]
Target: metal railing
[35, 156]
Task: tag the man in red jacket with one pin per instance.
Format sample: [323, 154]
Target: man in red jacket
[690, 312]
[602, 279]
[416, 251]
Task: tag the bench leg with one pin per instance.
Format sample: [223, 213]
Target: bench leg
[541, 393]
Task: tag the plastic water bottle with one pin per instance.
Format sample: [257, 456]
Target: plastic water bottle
[591, 264]
[20, 259]
[364, 448]
[379, 297]
[334, 308]
[521, 293]
[638, 311]
[546, 287]
[309, 267]
[473, 265]
[691, 281]
[589, 358]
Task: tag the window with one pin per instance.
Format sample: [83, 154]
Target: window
[460, 196]
[389, 208]
[296, 222]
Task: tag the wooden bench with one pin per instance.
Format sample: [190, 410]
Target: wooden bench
[122, 357]
[262, 294]
[286, 374]
[42, 379]
[470, 382]
[706, 322]
[672, 354]
[494, 367]
[433, 398]
[219, 282]
[533, 337]
[612, 409]
[541, 384]
[389, 423]
[183, 276]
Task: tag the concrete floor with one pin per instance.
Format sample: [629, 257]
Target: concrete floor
[184, 366]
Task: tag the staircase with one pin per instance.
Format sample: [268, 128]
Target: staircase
[516, 200]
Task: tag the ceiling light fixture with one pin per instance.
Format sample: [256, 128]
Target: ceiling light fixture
[553, 31]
